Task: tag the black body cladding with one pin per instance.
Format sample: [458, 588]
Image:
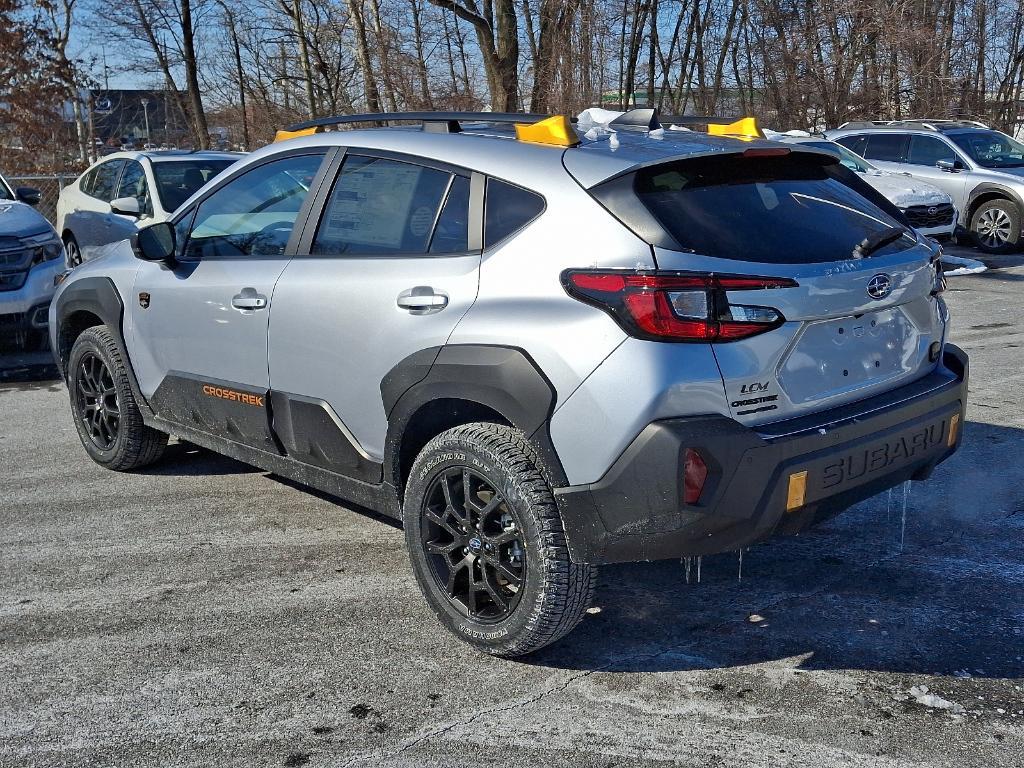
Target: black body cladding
[635, 512]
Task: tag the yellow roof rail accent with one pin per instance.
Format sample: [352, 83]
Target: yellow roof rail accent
[285, 135]
[746, 127]
[557, 131]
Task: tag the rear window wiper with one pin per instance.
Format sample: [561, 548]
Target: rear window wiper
[872, 243]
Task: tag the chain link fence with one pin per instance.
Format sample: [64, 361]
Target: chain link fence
[49, 187]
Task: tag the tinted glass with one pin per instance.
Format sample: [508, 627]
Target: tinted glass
[888, 147]
[105, 185]
[854, 143]
[88, 179]
[254, 214]
[133, 184]
[451, 235]
[927, 150]
[991, 149]
[846, 157]
[508, 209]
[782, 210]
[178, 180]
[381, 206]
[6, 193]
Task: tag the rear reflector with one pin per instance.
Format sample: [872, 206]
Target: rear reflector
[954, 428]
[695, 473]
[797, 490]
[677, 306]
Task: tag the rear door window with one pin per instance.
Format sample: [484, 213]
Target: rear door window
[887, 147]
[508, 209]
[451, 235]
[784, 210]
[381, 206]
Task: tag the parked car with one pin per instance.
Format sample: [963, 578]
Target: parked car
[128, 190]
[981, 169]
[31, 256]
[541, 352]
[930, 210]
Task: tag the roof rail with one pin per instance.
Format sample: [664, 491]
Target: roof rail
[913, 122]
[440, 122]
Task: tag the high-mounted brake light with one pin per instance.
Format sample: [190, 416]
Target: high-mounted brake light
[766, 151]
[675, 306]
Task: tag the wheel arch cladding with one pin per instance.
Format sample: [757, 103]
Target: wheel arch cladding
[85, 303]
[460, 384]
[987, 191]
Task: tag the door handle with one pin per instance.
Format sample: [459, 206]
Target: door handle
[422, 299]
[249, 299]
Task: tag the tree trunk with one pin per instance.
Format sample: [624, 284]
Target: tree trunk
[192, 76]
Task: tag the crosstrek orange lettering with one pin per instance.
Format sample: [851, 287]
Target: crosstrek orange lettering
[230, 394]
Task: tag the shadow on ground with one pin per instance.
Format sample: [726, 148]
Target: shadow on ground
[844, 596]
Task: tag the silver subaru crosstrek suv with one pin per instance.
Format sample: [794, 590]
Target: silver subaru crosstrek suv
[981, 169]
[541, 352]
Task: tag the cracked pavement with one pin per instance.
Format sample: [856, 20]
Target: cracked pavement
[205, 613]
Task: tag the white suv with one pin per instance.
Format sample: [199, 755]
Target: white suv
[115, 197]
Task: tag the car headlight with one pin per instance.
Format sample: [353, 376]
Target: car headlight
[48, 251]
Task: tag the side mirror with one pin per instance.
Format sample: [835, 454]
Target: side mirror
[28, 195]
[951, 166]
[155, 242]
[126, 206]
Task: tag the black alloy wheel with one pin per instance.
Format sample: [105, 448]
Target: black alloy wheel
[98, 405]
[474, 545]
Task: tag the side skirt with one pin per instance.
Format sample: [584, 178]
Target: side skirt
[379, 497]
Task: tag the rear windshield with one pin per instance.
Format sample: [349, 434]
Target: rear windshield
[176, 180]
[782, 210]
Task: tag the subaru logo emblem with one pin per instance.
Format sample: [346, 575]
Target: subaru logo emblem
[879, 286]
[932, 211]
[475, 544]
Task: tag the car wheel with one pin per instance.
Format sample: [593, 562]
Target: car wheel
[996, 226]
[487, 544]
[106, 415]
[72, 250]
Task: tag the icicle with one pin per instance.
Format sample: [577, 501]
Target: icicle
[699, 558]
[903, 522]
[687, 562]
[888, 505]
[739, 574]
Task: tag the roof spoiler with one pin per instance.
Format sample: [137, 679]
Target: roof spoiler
[648, 119]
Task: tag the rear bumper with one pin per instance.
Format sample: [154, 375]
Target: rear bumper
[635, 512]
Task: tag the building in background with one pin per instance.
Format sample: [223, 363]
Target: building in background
[136, 117]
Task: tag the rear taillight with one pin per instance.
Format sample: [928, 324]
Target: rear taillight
[695, 474]
[663, 306]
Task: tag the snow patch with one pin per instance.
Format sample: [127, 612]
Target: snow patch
[963, 266]
[921, 695]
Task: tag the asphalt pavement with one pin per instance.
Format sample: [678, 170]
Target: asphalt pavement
[204, 613]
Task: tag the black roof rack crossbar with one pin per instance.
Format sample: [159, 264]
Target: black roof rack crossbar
[446, 122]
[648, 119]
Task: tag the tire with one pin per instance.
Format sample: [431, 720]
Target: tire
[106, 415]
[74, 253]
[995, 226]
[523, 527]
